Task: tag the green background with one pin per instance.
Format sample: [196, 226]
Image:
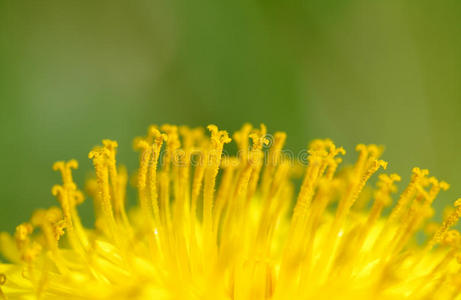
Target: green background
[74, 72]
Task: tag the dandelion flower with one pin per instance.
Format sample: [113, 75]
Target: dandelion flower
[214, 226]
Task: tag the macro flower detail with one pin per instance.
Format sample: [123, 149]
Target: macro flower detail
[213, 226]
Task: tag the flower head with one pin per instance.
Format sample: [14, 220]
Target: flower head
[213, 226]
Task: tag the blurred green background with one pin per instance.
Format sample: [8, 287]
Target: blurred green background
[74, 72]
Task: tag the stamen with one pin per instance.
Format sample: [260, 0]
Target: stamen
[69, 197]
[99, 156]
[218, 139]
[52, 225]
[28, 249]
[169, 162]
[242, 141]
[145, 154]
[417, 177]
[449, 222]
[114, 178]
[158, 140]
[259, 140]
[420, 210]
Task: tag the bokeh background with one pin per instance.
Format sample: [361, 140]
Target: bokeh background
[74, 72]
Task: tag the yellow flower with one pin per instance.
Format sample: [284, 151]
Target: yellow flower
[213, 226]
